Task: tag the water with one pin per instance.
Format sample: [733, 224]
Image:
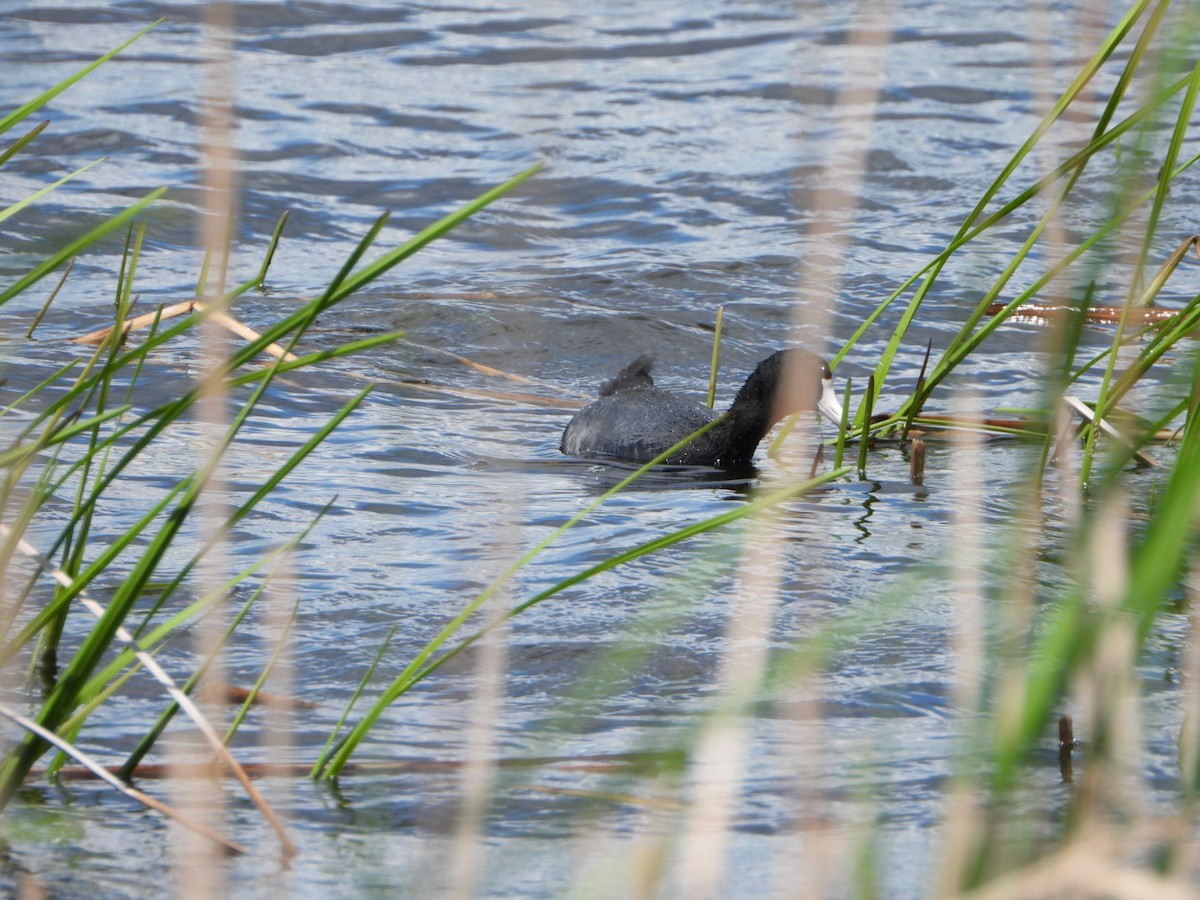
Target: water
[684, 151]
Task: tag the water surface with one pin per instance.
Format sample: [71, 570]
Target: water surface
[684, 150]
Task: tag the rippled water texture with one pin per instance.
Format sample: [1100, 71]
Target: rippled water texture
[700, 154]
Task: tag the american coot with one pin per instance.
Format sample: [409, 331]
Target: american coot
[633, 420]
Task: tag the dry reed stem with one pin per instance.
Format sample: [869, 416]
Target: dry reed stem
[599, 764]
[1089, 415]
[1089, 866]
[471, 364]
[248, 334]
[279, 613]
[962, 821]
[145, 320]
[185, 702]
[1063, 428]
[478, 775]
[1037, 313]
[916, 465]
[244, 331]
[829, 234]
[1066, 746]
[95, 768]
[197, 872]
[967, 610]
[485, 369]
[30, 888]
[1105, 688]
[1184, 851]
[721, 751]
[534, 399]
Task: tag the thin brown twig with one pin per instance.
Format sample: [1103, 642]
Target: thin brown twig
[536, 399]
[483, 368]
[143, 321]
[90, 766]
[189, 306]
[471, 364]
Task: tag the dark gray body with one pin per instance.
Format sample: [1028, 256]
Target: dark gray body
[635, 421]
[635, 425]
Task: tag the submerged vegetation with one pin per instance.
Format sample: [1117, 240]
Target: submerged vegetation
[85, 426]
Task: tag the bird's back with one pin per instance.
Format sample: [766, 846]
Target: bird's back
[633, 424]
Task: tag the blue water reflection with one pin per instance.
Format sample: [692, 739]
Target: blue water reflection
[685, 147]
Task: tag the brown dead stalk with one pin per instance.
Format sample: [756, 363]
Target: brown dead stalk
[187, 307]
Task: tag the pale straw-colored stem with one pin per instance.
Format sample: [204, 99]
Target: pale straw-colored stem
[109, 778]
[187, 307]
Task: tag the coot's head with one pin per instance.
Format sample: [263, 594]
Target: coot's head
[792, 381]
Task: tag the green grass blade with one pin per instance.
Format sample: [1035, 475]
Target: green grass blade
[323, 756]
[24, 399]
[418, 669]
[10, 211]
[150, 738]
[17, 455]
[261, 280]
[715, 363]
[23, 112]
[23, 141]
[77, 246]
[373, 270]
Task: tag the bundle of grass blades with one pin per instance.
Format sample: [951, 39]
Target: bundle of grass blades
[1166, 99]
[1088, 638]
[82, 428]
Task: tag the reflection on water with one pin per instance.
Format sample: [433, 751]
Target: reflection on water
[684, 148]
